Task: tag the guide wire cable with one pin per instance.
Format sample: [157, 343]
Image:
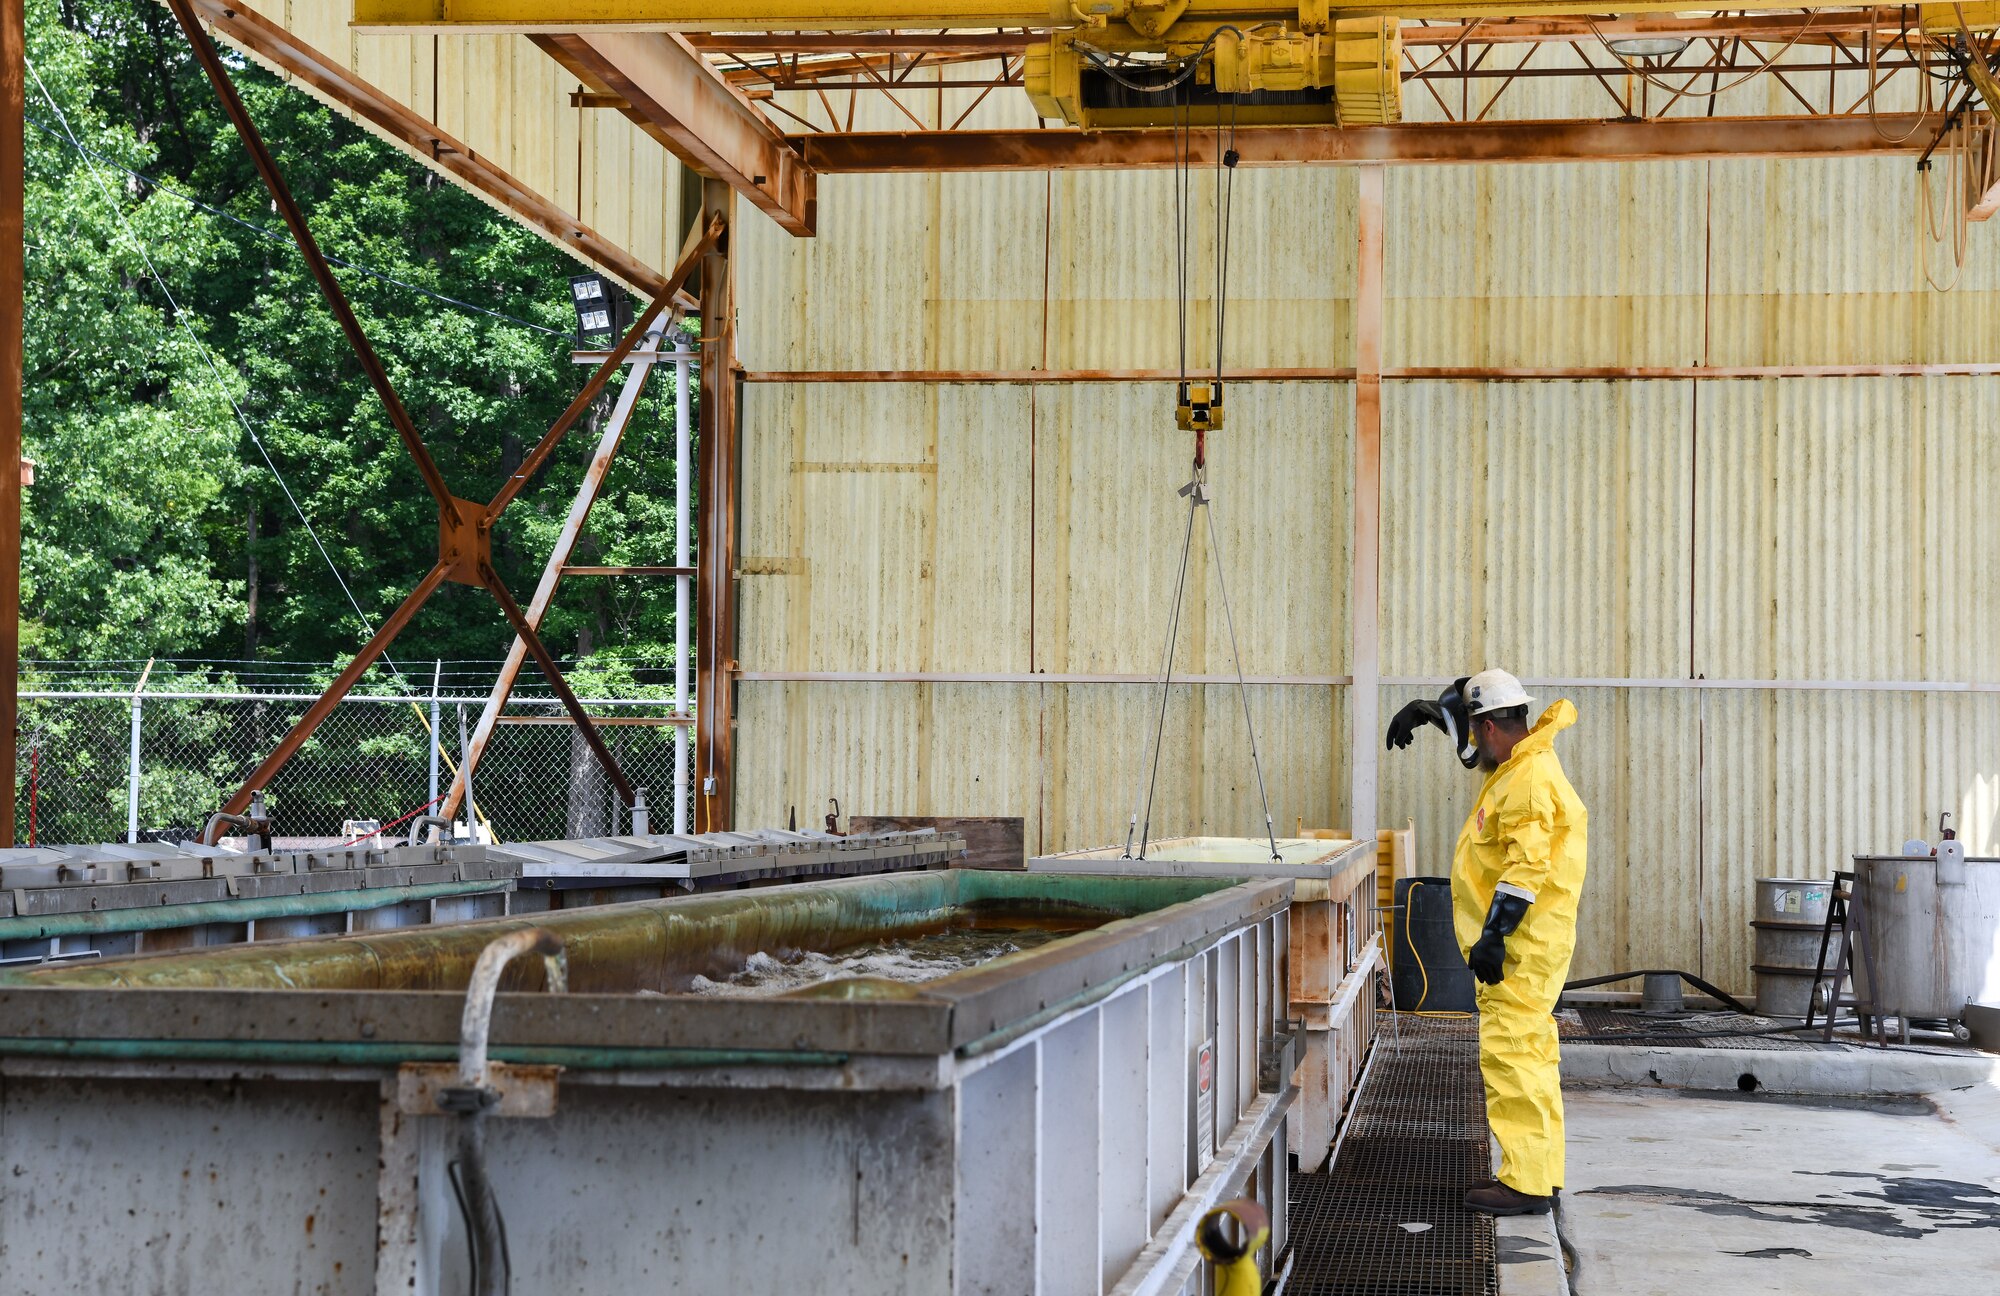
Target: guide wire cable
[1196, 490]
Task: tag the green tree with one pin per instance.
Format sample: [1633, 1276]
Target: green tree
[155, 526]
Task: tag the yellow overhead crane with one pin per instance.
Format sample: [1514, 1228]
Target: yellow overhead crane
[1112, 63]
[1295, 69]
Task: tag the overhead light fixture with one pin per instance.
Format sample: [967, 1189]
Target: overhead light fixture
[603, 310]
[1643, 46]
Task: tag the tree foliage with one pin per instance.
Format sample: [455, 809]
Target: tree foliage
[155, 525]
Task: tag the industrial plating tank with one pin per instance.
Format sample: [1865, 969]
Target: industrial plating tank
[267, 1118]
[1936, 933]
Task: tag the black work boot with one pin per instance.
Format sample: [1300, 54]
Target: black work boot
[1499, 1199]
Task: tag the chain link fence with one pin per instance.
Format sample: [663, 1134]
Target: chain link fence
[156, 756]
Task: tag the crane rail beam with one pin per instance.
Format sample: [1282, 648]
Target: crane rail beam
[1529, 141]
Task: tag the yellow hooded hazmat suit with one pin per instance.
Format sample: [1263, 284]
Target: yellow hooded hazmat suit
[1527, 833]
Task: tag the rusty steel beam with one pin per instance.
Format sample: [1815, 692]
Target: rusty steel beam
[1364, 558]
[696, 246]
[675, 95]
[715, 582]
[902, 73]
[328, 79]
[554, 676]
[342, 685]
[553, 571]
[13, 274]
[1524, 141]
[464, 528]
[322, 273]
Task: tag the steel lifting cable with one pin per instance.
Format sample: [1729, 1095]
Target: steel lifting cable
[1196, 490]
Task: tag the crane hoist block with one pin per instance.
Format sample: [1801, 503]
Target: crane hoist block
[1267, 73]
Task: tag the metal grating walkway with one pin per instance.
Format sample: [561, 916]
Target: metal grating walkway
[1415, 1142]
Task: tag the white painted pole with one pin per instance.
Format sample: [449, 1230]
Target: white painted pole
[683, 586]
[437, 738]
[132, 772]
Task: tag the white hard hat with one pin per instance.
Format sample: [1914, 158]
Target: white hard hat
[1493, 690]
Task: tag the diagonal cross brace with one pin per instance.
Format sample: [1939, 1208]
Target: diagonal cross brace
[463, 526]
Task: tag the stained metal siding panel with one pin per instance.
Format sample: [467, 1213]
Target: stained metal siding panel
[981, 531]
[1098, 739]
[1299, 739]
[983, 751]
[1962, 768]
[774, 589]
[1286, 307]
[1280, 476]
[1538, 526]
[1113, 288]
[1814, 261]
[1108, 529]
[1960, 578]
[869, 534]
[1846, 507]
[859, 294]
[1473, 276]
[798, 744]
[1742, 835]
[1736, 587]
[867, 540]
[992, 255]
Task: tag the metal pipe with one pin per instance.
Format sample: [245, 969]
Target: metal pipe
[465, 771]
[473, 1098]
[437, 739]
[477, 1017]
[438, 821]
[132, 766]
[683, 585]
[208, 835]
[13, 92]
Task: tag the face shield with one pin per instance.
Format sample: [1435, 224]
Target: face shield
[1457, 723]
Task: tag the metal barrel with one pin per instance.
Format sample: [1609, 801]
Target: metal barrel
[1792, 946]
[1782, 992]
[1794, 900]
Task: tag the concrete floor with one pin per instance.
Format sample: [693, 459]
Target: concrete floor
[1683, 1193]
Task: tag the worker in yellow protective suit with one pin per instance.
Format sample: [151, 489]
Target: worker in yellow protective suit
[1516, 876]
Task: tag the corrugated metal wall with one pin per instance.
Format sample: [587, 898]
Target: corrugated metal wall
[1787, 529]
[509, 103]
[1781, 529]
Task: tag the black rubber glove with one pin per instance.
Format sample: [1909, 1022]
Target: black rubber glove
[1488, 957]
[1411, 718]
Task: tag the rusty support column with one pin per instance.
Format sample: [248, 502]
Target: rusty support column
[13, 165]
[715, 563]
[1364, 697]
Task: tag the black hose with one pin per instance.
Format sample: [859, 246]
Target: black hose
[1688, 977]
[485, 1230]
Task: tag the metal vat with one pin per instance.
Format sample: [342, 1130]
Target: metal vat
[1054, 1120]
[1937, 940]
[1336, 949]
